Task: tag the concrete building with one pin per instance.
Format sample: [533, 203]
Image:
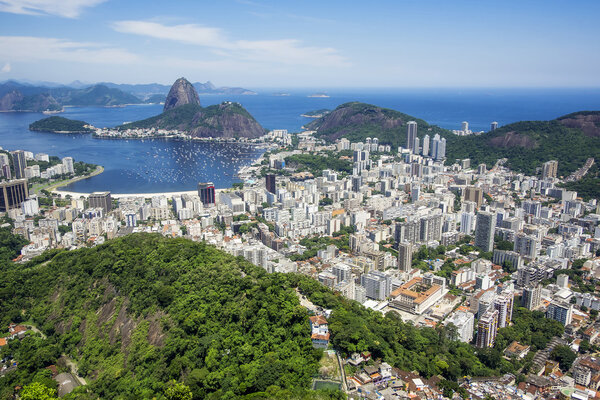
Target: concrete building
[377, 284]
[464, 322]
[100, 200]
[531, 297]
[474, 194]
[19, 163]
[487, 329]
[411, 135]
[12, 194]
[206, 191]
[560, 311]
[484, 230]
[419, 294]
[504, 305]
[271, 183]
[405, 251]
[549, 169]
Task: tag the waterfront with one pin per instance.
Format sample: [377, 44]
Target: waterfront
[150, 166]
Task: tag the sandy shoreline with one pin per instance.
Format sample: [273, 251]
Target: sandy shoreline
[76, 195]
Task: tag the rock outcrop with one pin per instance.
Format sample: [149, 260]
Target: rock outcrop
[16, 101]
[182, 92]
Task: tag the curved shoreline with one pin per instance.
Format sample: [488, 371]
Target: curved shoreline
[76, 195]
[54, 188]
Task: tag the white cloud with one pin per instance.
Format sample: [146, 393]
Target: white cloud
[286, 51]
[62, 8]
[29, 48]
[6, 68]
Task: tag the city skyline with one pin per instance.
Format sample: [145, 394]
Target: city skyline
[269, 44]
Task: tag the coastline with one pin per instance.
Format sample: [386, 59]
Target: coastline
[76, 195]
[54, 187]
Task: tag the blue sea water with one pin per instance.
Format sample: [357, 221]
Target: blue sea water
[135, 166]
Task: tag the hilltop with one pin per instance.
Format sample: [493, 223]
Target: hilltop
[60, 125]
[183, 112]
[526, 145]
[357, 121]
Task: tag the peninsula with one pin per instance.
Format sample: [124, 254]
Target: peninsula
[61, 125]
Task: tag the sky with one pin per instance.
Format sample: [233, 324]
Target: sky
[308, 43]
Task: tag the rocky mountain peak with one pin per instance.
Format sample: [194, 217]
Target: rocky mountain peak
[182, 92]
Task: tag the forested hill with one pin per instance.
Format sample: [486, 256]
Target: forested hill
[142, 310]
[570, 139]
[357, 121]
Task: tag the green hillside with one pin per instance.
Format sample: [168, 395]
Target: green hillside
[528, 144]
[357, 121]
[142, 310]
[99, 95]
[60, 124]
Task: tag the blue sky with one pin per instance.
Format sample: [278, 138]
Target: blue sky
[254, 43]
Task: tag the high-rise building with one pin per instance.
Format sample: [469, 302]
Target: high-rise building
[467, 220]
[438, 149]
[271, 183]
[404, 256]
[549, 169]
[12, 194]
[101, 200]
[431, 228]
[487, 329]
[531, 297]
[526, 245]
[411, 135]
[6, 171]
[560, 311]
[464, 126]
[504, 305]
[493, 126]
[19, 163]
[464, 322]
[68, 165]
[206, 191]
[377, 284]
[484, 230]
[425, 150]
[356, 183]
[342, 272]
[4, 159]
[417, 146]
[474, 194]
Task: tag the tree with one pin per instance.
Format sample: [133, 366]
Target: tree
[38, 391]
[564, 355]
[178, 391]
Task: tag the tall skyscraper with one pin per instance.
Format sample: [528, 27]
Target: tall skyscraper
[425, 151]
[411, 135]
[464, 126]
[19, 163]
[68, 165]
[356, 183]
[271, 183]
[12, 194]
[404, 256]
[484, 230]
[101, 200]
[504, 305]
[206, 191]
[438, 149]
[474, 194]
[417, 146]
[494, 126]
[487, 329]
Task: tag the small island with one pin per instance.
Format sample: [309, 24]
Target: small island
[319, 95]
[61, 125]
[316, 113]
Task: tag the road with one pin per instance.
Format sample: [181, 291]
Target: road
[73, 366]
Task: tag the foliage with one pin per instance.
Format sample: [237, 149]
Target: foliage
[10, 245]
[530, 328]
[37, 391]
[589, 186]
[178, 391]
[59, 124]
[564, 355]
[316, 163]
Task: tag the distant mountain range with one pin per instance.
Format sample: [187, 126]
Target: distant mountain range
[47, 96]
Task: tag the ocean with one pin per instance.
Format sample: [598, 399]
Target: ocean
[136, 166]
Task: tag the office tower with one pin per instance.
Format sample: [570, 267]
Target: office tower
[100, 200]
[467, 220]
[560, 311]
[484, 230]
[404, 256]
[206, 191]
[531, 297]
[356, 183]
[549, 169]
[19, 163]
[474, 194]
[377, 284]
[464, 322]
[12, 194]
[504, 305]
[417, 146]
[487, 329]
[271, 183]
[68, 165]
[425, 151]
[494, 126]
[464, 126]
[438, 150]
[411, 135]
